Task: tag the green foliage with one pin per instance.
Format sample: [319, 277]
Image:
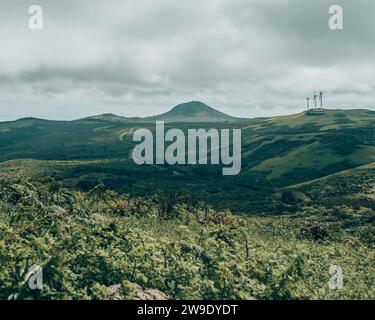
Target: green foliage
[102, 245]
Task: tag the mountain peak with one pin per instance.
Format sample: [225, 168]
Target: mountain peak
[193, 106]
[194, 111]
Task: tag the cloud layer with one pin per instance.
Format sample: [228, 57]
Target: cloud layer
[245, 57]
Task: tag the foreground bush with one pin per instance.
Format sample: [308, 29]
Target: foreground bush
[101, 245]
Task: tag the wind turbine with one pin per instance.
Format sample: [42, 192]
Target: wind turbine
[308, 103]
[321, 99]
[315, 100]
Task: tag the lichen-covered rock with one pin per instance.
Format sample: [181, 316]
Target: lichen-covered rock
[114, 292]
[57, 211]
[151, 294]
[132, 291]
[98, 217]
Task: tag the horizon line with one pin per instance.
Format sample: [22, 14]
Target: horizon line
[157, 115]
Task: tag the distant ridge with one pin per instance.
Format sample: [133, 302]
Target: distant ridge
[194, 111]
[197, 111]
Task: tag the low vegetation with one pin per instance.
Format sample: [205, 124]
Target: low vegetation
[102, 245]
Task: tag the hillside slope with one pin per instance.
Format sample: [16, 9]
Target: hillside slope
[277, 152]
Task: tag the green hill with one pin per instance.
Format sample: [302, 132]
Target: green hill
[194, 111]
[276, 152]
[73, 202]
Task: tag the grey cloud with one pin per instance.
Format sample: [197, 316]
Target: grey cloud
[247, 57]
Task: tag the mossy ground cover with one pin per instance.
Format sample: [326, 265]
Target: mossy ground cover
[89, 242]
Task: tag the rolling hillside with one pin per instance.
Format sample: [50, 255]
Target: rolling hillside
[277, 153]
[101, 227]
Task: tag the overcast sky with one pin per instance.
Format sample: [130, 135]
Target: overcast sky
[141, 57]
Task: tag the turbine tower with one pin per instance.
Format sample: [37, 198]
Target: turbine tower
[308, 103]
[315, 100]
[321, 99]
